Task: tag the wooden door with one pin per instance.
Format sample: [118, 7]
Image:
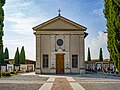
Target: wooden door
[59, 63]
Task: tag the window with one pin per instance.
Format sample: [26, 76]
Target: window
[45, 61]
[74, 61]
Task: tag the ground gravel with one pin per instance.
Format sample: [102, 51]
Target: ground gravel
[101, 86]
[10, 86]
[22, 82]
[99, 81]
[26, 78]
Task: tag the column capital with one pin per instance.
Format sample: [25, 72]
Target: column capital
[81, 36]
[67, 35]
[38, 35]
[52, 35]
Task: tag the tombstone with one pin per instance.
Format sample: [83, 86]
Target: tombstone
[86, 66]
[94, 67]
[16, 67]
[30, 67]
[111, 67]
[105, 67]
[89, 66]
[99, 66]
[3, 68]
[23, 67]
[10, 67]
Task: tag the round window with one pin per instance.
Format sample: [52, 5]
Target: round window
[59, 42]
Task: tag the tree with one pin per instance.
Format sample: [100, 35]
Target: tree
[101, 55]
[1, 57]
[112, 15]
[2, 2]
[111, 59]
[6, 54]
[22, 56]
[89, 55]
[16, 58]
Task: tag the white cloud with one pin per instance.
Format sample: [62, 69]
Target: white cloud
[98, 12]
[99, 42]
[20, 15]
[28, 44]
[20, 20]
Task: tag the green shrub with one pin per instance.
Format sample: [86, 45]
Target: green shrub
[20, 71]
[2, 73]
[27, 71]
[14, 72]
[7, 74]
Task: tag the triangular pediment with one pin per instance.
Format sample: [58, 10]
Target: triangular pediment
[59, 23]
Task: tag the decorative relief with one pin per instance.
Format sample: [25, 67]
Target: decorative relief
[60, 50]
[53, 60]
[66, 57]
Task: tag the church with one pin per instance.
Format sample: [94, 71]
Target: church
[60, 46]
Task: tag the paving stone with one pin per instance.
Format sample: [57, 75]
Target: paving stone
[61, 84]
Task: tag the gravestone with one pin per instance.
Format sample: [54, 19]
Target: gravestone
[10, 67]
[23, 67]
[3, 68]
[17, 67]
[99, 66]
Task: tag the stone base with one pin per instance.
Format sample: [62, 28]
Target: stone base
[52, 71]
[82, 71]
[38, 71]
[67, 71]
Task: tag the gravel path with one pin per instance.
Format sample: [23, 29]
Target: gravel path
[61, 84]
[26, 77]
[99, 82]
[22, 82]
[101, 86]
[11, 86]
[34, 82]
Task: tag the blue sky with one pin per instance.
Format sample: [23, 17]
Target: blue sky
[22, 15]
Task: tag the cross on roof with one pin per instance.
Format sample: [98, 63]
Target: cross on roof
[59, 12]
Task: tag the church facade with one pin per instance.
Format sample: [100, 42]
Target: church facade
[60, 46]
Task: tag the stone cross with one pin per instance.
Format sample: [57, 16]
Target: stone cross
[59, 12]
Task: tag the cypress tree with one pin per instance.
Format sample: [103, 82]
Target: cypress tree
[6, 54]
[16, 58]
[89, 55]
[2, 2]
[112, 15]
[101, 55]
[111, 59]
[22, 56]
[1, 57]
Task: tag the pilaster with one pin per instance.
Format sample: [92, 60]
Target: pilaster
[38, 54]
[52, 43]
[53, 61]
[67, 43]
[67, 54]
[82, 55]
